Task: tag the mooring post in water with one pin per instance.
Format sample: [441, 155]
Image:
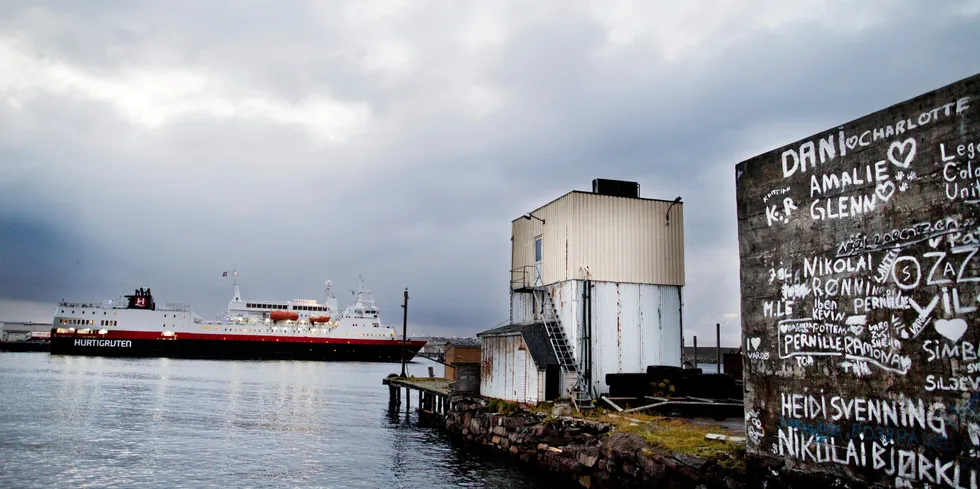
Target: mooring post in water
[408, 403]
[718, 333]
[404, 329]
[695, 352]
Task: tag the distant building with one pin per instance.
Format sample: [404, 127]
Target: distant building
[20, 331]
[462, 350]
[600, 274]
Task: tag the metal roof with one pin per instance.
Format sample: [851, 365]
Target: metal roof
[535, 337]
[474, 342]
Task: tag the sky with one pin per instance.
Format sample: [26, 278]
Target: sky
[158, 144]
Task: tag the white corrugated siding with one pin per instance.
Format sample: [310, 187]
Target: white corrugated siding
[554, 239]
[619, 239]
[627, 240]
[500, 375]
[633, 326]
[538, 379]
[568, 297]
[520, 375]
[521, 308]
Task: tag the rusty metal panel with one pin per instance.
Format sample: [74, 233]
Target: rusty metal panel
[606, 327]
[859, 288]
[508, 372]
[497, 352]
[633, 326]
[669, 320]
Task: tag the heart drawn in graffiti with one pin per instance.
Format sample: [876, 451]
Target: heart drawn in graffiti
[899, 148]
[852, 142]
[952, 329]
[785, 327]
[755, 343]
[885, 190]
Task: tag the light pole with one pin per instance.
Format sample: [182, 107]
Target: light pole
[528, 217]
[404, 329]
[667, 215]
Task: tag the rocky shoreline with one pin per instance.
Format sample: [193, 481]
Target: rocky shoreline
[588, 453]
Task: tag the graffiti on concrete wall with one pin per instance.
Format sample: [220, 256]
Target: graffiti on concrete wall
[860, 295]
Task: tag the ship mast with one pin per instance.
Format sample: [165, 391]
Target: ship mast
[238, 292]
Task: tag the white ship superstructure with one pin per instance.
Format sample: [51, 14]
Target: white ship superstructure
[299, 328]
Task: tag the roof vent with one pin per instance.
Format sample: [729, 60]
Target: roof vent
[618, 188]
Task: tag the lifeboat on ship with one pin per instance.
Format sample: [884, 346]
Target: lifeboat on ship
[283, 316]
[320, 319]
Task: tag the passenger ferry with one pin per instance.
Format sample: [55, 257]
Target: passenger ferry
[298, 329]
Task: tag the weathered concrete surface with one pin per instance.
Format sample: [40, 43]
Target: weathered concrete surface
[860, 279]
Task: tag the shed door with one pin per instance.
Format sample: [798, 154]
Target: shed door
[520, 372]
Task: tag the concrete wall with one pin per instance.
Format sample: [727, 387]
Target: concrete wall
[619, 239]
[860, 281]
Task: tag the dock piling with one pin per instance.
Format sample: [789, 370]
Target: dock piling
[433, 396]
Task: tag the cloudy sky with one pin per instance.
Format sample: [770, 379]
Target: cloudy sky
[161, 143]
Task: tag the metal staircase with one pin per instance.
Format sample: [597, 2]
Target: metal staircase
[580, 396]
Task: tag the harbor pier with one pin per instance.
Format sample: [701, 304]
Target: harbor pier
[434, 395]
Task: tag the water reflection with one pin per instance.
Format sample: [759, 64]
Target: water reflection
[104, 422]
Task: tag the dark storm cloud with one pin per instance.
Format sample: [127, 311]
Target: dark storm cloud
[40, 261]
[448, 143]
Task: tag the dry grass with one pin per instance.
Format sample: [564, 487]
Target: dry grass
[676, 435]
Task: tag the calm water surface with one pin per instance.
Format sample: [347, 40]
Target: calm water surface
[134, 423]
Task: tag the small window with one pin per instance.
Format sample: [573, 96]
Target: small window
[537, 249]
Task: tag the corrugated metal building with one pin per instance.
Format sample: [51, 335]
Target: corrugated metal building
[518, 364]
[603, 271]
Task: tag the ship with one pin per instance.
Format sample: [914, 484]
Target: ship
[300, 329]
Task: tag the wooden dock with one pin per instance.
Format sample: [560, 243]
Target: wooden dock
[434, 395]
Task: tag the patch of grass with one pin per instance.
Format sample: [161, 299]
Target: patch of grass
[549, 420]
[734, 459]
[675, 434]
[503, 407]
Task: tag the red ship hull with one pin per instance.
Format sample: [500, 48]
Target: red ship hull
[232, 347]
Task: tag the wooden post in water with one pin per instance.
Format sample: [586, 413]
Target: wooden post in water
[695, 352]
[718, 335]
[404, 330]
